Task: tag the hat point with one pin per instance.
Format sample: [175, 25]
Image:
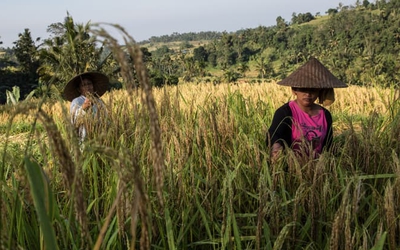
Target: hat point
[312, 74]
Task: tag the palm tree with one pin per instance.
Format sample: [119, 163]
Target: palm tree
[243, 68]
[70, 52]
[230, 76]
[264, 68]
[189, 69]
[261, 67]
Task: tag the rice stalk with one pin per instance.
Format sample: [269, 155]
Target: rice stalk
[347, 228]
[335, 233]
[148, 99]
[71, 174]
[104, 228]
[133, 50]
[282, 236]
[122, 209]
[390, 215]
[170, 234]
[136, 54]
[396, 190]
[262, 202]
[338, 225]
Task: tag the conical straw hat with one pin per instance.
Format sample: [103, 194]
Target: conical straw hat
[99, 80]
[312, 75]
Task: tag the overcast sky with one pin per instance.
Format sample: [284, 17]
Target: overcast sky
[143, 19]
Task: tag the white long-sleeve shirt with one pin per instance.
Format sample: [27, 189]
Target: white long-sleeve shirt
[78, 113]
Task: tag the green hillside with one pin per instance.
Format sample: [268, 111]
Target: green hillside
[348, 40]
[359, 44]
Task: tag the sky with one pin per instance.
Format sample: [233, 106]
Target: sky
[143, 19]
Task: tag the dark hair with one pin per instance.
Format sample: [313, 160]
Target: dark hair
[306, 89]
[82, 78]
[79, 83]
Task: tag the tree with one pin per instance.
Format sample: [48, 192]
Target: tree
[70, 51]
[146, 54]
[200, 54]
[243, 68]
[294, 18]
[303, 18]
[185, 45]
[230, 76]
[366, 3]
[26, 52]
[281, 23]
[264, 68]
[162, 51]
[226, 56]
[331, 11]
[189, 69]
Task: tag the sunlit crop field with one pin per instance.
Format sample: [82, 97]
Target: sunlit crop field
[206, 181]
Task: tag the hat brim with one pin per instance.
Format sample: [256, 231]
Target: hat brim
[312, 75]
[100, 85]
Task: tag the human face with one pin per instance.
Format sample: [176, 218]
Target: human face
[306, 97]
[86, 87]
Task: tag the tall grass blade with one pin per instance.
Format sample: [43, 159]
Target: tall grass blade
[42, 200]
[236, 232]
[203, 214]
[170, 231]
[380, 243]
[282, 236]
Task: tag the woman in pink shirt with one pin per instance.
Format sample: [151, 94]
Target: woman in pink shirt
[302, 124]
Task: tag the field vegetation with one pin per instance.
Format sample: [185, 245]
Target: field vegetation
[205, 182]
[181, 159]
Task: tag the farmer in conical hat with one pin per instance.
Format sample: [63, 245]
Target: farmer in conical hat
[84, 92]
[302, 124]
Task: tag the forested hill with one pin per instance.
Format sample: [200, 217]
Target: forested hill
[360, 43]
[188, 37]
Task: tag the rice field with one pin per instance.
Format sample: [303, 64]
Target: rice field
[214, 187]
[187, 167]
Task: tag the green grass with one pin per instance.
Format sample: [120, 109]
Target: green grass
[219, 189]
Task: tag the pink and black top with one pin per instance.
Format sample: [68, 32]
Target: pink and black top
[292, 127]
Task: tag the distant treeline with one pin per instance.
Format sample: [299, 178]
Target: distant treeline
[214, 35]
[359, 43]
[190, 36]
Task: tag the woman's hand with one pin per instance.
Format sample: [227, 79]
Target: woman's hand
[276, 151]
[87, 104]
